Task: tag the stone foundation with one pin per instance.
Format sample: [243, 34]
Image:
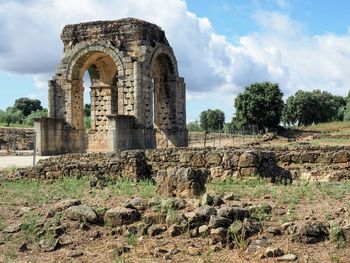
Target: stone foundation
[311, 163]
[16, 139]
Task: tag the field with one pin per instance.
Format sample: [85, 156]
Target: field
[27, 202]
[307, 221]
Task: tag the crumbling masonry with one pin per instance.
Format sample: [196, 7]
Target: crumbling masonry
[137, 96]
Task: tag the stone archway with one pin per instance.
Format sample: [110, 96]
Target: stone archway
[164, 97]
[103, 95]
[122, 58]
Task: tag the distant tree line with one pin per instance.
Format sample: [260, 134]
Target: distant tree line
[22, 112]
[262, 105]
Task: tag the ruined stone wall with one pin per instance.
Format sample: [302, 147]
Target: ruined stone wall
[311, 163]
[20, 139]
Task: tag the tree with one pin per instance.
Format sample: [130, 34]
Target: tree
[212, 120]
[36, 114]
[11, 115]
[87, 110]
[260, 104]
[194, 126]
[305, 108]
[27, 106]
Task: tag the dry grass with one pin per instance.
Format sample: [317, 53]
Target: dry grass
[336, 127]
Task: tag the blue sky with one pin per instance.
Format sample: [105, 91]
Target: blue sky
[222, 46]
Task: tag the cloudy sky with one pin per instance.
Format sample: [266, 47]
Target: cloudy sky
[221, 45]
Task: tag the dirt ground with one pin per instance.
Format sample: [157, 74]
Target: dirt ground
[28, 203]
[25, 206]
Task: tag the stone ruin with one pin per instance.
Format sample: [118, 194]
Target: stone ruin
[137, 96]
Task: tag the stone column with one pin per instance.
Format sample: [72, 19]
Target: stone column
[139, 97]
[52, 98]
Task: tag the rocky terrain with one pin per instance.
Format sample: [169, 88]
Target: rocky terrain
[179, 215]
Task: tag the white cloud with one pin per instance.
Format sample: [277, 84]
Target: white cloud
[214, 69]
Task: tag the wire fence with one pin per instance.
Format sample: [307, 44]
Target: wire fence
[227, 137]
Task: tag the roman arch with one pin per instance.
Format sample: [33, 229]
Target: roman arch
[137, 97]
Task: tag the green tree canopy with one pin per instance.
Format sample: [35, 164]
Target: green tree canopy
[260, 104]
[36, 114]
[212, 119]
[87, 110]
[11, 115]
[27, 106]
[194, 126]
[305, 108]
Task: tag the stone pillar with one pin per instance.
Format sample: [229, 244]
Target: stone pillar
[52, 98]
[101, 106]
[48, 133]
[138, 93]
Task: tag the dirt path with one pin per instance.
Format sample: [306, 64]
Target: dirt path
[18, 161]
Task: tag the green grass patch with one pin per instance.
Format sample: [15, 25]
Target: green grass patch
[329, 126]
[128, 187]
[335, 141]
[37, 192]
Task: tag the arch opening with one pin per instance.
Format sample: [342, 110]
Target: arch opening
[94, 80]
[164, 83]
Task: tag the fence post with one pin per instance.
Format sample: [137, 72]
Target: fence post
[34, 149]
[214, 138]
[205, 138]
[144, 139]
[254, 132]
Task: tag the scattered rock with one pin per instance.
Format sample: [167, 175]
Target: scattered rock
[121, 216]
[118, 230]
[81, 213]
[207, 199]
[62, 206]
[248, 159]
[194, 232]
[167, 257]
[313, 232]
[160, 250]
[216, 247]
[218, 235]
[96, 235]
[203, 231]
[85, 227]
[233, 212]
[60, 230]
[229, 197]
[195, 220]
[174, 203]
[119, 250]
[137, 203]
[286, 225]
[288, 257]
[183, 182]
[156, 230]
[175, 230]
[257, 246]
[205, 212]
[218, 201]
[23, 247]
[219, 221]
[174, 251]
[13, 228]
[274, 231]
[75, 254]
[49, 245]
[273, 252]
